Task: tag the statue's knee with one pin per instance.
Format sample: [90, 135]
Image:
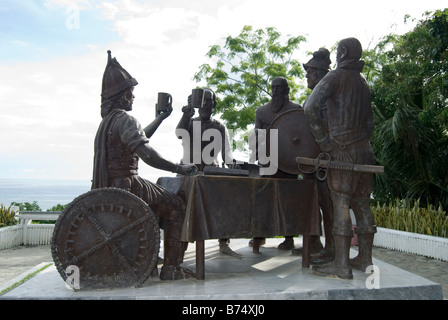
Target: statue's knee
[370, 229]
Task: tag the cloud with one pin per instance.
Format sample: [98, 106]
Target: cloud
[80, 4]
[43, 110]
[49, 107]
[159, 27]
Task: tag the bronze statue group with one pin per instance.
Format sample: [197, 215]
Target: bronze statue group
[340, 119]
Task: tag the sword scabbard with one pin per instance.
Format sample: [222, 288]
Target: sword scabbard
[328, 164]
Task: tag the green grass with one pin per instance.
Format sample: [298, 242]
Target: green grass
[26, 278]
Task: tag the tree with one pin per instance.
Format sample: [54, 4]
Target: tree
[27, 206]
[244, 69]
[58, 207]
[407, 74]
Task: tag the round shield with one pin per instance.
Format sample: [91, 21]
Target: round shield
[294, 140]
[106, 238]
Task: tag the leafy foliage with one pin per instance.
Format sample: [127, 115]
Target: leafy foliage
[411, 217]
[244, 69]
[408, 78]
[7, 216]
[33, 206]
[27, 206]
[58, 207]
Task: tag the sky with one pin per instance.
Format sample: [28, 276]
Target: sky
[53, 54]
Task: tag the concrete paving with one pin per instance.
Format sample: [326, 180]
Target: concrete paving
[272, 275]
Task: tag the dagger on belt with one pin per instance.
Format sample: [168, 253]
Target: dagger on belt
[323, 162]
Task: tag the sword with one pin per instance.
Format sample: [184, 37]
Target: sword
[323, 162]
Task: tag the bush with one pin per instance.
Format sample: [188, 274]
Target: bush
[7, 216]
[34, 207]
[58, 207]
[27, 206]
[405, 215]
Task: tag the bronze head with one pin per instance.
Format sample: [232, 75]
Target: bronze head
[349, 49]
[209, 103]
[317, 67]
[280, 93]
[117, 87]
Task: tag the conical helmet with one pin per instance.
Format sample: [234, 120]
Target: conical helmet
[115, 79]
[320, 60]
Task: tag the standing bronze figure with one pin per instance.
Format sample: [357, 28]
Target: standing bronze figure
[346, 95]
[270, 116]
[120, 142]
[316, 69]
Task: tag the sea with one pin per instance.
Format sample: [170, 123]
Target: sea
[47, 193]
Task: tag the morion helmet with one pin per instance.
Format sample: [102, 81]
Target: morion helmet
[115, 79]
[320, 60]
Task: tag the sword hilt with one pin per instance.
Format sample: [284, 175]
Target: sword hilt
[320, 165]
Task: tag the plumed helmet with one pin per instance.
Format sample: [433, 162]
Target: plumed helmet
[320, 60]
[115, 79]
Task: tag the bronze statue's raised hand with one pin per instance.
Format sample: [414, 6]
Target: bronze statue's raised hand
[188, 111]
[165, 113]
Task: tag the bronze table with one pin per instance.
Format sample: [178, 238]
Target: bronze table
[241, 207]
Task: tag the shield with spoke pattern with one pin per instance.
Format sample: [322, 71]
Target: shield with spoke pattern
[110, 236]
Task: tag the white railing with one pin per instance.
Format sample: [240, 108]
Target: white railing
[27, 233]
[11, 237]
[420, 244]
[40, 234]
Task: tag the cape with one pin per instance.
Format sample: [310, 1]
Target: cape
[100, 174]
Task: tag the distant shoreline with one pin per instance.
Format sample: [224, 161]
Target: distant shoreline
[46, 192]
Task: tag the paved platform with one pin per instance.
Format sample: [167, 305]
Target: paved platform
[271, 275]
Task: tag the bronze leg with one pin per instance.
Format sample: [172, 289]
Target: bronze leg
[306, 252]
[200, 260]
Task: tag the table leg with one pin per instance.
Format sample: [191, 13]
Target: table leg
[200, 259]
[306, 252]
